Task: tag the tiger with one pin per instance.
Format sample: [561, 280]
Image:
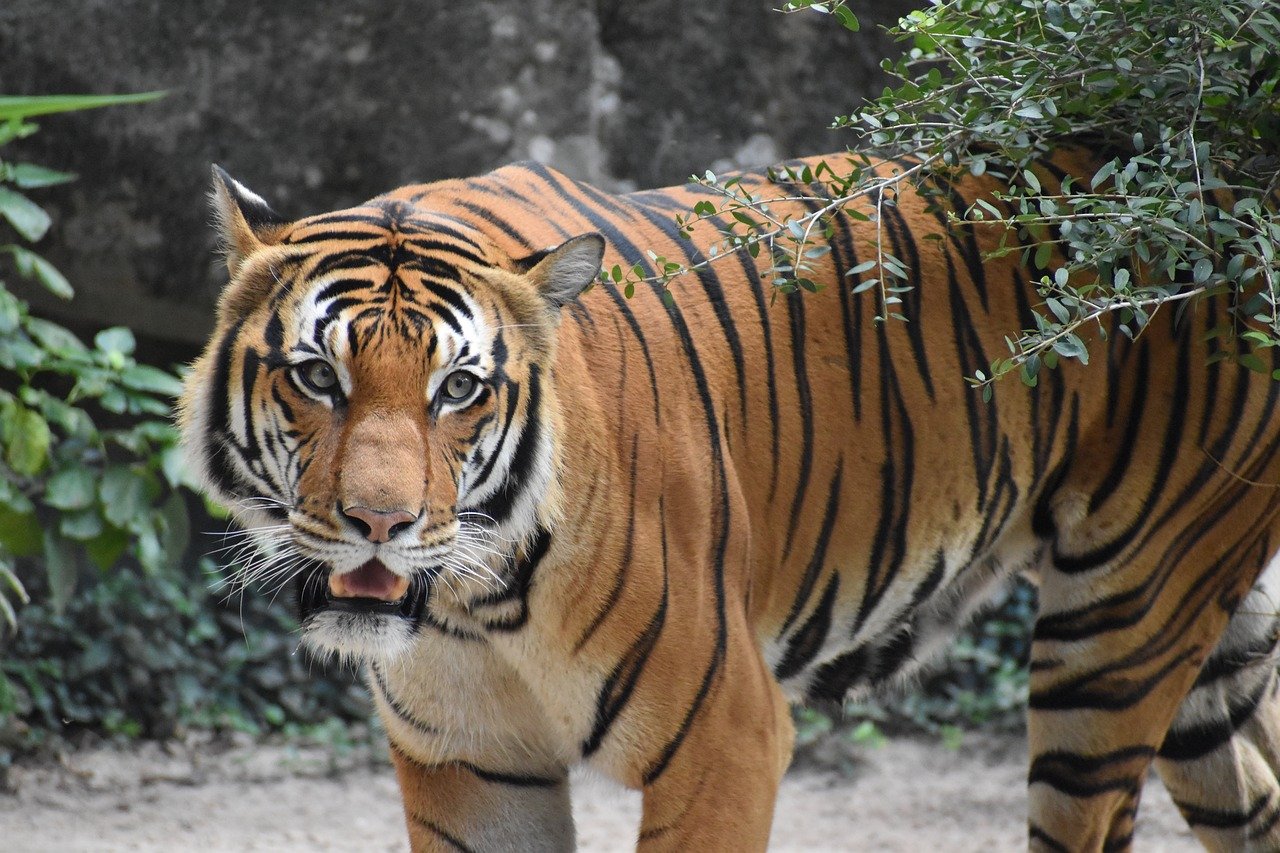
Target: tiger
[557, 524]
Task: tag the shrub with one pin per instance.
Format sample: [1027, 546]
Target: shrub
[126, 633]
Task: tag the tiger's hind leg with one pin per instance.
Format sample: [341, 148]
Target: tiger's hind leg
[1221, 757]
[1119, 642]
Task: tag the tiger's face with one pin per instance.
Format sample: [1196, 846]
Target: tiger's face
[373, 408]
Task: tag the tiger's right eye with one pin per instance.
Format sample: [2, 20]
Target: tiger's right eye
[318, 375]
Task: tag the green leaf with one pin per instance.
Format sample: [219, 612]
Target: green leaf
[124, 495]
[1059, 310]
[55, 338]
[1202, 270]
[1070, 346]
[175, 528]
[1252, 362]
[1107, 170]
[26, 217]
[30, 177]
[1043, 253]
[143, 377]
[27, 442]
[106, 549]
[22, 107]
[60, 564]
[82, 526]
[34, 267]
[117, 339]
[70, 488]
[846, 17]
[11, 312]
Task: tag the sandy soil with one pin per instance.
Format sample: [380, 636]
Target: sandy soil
[907, 795]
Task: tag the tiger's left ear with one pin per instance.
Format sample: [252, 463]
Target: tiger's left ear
[563, 272]
[246, 223]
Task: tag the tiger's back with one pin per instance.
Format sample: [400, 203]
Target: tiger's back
[735, 498]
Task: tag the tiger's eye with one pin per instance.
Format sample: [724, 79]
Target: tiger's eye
[319, 375]
[458, 386]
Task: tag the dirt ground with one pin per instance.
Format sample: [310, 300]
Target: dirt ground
[907, 795]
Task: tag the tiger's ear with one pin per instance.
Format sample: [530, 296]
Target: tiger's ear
[245, 222]
[562, 272]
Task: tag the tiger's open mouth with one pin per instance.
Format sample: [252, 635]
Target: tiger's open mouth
[372, 589]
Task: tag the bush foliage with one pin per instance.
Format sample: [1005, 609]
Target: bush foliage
[1179, 100]
[127, 632]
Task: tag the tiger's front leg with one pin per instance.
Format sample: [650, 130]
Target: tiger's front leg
[716, 791]
[458, 806]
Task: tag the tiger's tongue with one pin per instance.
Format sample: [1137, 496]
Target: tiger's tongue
[372, 580]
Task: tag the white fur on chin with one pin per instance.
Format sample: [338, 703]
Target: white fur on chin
[357, 638]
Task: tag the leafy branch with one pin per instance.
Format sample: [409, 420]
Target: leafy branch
[1179, 102]
[746, 221]
[69, 489]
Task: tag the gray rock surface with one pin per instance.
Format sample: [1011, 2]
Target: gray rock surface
[318, 105]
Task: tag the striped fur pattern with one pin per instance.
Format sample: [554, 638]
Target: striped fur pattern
[647, 528]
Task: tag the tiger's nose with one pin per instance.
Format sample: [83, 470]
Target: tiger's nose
[379, 525]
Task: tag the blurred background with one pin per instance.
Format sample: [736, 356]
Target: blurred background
[129, 631]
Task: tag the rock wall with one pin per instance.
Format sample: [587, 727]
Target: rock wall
[318, 105]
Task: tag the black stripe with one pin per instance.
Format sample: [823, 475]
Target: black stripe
[518, 587]
[1198, 740]
[900, 235]
[491, 218]
[218, 438]
[845, 257]
[624, 563]
[1228, 662]
[1218, 819]
[500, 505]
[1136, 397]
[889, 545]
[805, 643]
[710, 283]
[340, 287]
[402, 713]
[834, 678]
[1036, 834]
[982, 416]
[617, 689]
[1093, 691]
[452, 840]
[374, 237]
[1090, 775]
[419, 245]
[516, 780]
[1170, 448]
[804, 410]
[818, 559]
[513, 400]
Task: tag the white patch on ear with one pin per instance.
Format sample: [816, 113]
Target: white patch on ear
[244, 194]
[565, 271]
[244, 219]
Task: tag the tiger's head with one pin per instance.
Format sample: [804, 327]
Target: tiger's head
[375, 408]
